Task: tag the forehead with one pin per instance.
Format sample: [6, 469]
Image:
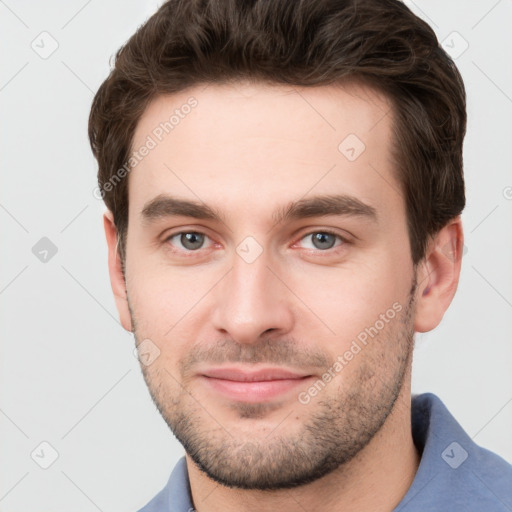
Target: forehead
[257, 109]
[245, 141]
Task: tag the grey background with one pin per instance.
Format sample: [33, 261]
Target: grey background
[68, 375]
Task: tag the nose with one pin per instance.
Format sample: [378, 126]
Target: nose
[252, 303]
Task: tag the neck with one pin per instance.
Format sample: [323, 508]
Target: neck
[375, 480]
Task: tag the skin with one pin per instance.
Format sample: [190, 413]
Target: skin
[247, 150]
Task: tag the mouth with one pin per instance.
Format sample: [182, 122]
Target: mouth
[252, 386]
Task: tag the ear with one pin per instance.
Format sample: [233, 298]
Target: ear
[438, 276]
[116, 274]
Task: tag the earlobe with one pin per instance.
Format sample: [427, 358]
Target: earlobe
[117, 279]
[438, 276]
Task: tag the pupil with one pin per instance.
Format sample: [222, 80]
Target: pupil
[191, 240]
[323, 240]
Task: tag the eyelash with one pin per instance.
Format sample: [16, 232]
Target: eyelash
[191, 253]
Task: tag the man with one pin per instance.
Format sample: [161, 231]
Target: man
[284, 188]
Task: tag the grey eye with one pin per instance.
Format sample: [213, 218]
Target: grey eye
[191, 241]
[323, 240]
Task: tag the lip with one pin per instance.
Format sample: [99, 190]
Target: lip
[252, 385]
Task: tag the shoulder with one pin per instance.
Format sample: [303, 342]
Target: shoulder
[159, 503]
[175, 496]
[454, 473]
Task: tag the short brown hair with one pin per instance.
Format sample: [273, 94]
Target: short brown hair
[302, 43]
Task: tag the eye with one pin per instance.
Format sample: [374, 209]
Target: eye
[322, 240]
[189, 240]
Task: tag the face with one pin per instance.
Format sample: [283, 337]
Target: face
[269, 278]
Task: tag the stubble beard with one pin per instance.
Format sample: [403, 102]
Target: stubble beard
[338, 427]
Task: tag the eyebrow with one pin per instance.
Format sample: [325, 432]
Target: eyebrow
[163, 206]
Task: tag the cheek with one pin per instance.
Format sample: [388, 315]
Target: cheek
[161, 295]
[170, 309]
[344, 301]
[160, 315]
[341, 308]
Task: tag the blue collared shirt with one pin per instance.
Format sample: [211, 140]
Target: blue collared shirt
[454, 474]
